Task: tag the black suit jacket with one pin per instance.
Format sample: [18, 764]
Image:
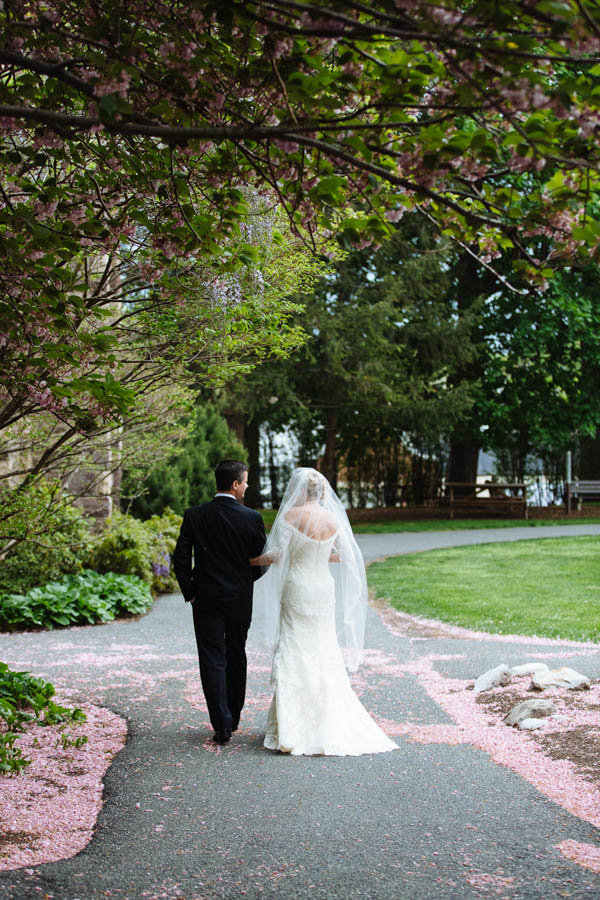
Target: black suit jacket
[223, 536]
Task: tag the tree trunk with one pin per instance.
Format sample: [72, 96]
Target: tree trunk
[275, 498]
[464, 456]
[589, 463]
[390, 487]
[236, 422]
[416, 479]
[251, 441]
[330, 462]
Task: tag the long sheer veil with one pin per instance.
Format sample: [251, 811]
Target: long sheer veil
[311, 506]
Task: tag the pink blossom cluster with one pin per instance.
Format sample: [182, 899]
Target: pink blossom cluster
[44, 398]
[211, 94]
[118, 86]
[586, 855]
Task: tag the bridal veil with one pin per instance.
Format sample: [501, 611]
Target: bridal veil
[310, 507]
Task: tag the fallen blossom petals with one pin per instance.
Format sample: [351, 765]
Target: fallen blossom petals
[48, 812]
[586, 855]
[557, 779]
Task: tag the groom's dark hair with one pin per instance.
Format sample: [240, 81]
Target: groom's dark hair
[228, 471]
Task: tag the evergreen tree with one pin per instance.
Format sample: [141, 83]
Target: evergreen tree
[188, 477]
[378, 367]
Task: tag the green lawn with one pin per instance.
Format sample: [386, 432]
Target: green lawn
[268, 516]
[461, 524]
[396, 525]
[550, 588]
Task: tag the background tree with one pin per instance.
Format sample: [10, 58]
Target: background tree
[419, 361]
[388, 343]
[375, 372]
[186, 478]
[541, 389]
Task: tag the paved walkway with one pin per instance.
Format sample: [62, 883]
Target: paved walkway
[185, 819]
[377, 545]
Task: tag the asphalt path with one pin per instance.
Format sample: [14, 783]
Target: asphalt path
[185, 819]
[374, 546]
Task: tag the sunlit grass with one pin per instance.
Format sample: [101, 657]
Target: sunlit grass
[549, 588]
[396, 525]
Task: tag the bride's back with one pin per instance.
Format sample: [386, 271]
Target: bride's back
[313, 521]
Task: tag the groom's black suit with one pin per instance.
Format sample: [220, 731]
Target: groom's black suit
[224, 536]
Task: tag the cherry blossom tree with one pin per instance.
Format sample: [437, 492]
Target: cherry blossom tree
[106, 376]
[137, 139]
[142, 126]
[385, 107]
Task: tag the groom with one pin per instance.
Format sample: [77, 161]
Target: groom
[223, 535]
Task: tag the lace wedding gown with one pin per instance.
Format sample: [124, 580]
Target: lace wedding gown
[314, 709]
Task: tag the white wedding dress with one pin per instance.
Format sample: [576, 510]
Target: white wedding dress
[314, 709]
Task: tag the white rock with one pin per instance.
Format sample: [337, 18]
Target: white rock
[492, 678]
[560, 718]
[529, 668]
[530, 724]
[563, 677]
[529, 709]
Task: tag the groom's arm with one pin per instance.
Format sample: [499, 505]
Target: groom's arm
[182, 559]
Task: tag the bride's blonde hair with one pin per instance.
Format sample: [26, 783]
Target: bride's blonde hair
[315, 486]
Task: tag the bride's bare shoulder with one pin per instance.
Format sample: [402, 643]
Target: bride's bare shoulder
[294, 516]
[314, 521]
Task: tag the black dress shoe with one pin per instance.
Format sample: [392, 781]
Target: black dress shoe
[221, 737]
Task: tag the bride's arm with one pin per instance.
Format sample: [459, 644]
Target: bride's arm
[335, 550]
[276, 551]
[265, 560]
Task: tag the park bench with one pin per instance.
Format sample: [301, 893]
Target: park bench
[502, 499]
[580, 489]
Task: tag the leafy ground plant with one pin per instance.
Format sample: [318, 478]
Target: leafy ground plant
[12, 760]
[83, 599]
[23, 699]
[549, 588]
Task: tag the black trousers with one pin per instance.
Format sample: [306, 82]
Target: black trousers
[221, 641]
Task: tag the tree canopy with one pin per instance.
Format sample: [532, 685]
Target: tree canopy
[158, 113]
[152, 151]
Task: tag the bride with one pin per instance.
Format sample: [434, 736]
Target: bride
[314, 709]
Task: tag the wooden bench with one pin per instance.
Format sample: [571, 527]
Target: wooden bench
[508, 499]
[579, 489]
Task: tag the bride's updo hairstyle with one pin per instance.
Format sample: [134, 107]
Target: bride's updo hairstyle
[315, 486]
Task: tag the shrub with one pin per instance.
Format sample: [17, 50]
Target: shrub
[144, 549]
[125, 546]
[82, 599]
[62, 551]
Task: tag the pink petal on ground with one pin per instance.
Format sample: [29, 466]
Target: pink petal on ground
[53, 805]
[585, 855]
[555, 778]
